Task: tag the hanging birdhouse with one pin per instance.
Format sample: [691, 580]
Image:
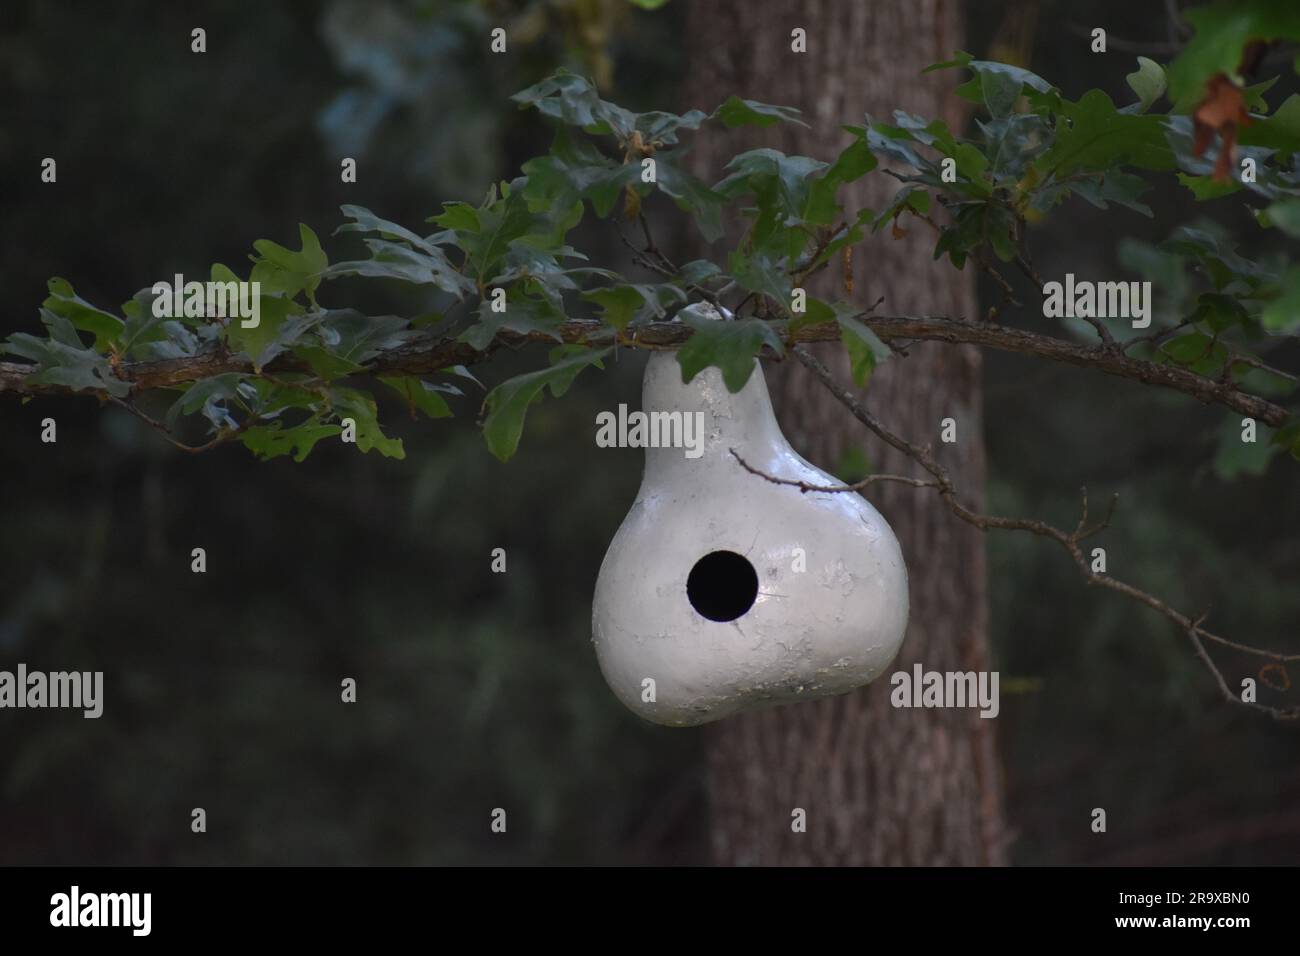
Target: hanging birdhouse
[723, 590]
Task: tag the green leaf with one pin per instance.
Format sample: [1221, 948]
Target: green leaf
[853, 163]
[566, 97]
[909, 198]
[661, 128]
[355, 338]
[1196, 351]
[815, 312]
[917, 128]
[62, 358]
[692, 196]
[729, 345]
[1115, 186]
[737, 112]
[1283, 313]
[853, 465]
[1093, 135]
[327, 365]
[63, 301]
[1217, 255]
[523, 314]
[361, 408]
[394, 260]
[1235, 457]
[1218, 311]
[366, 221]
[142, 328]
[1288, 437]
[782, 189]
[1222, 31]
[489, 233]
[1207, 187]
[573, 100]
[273, 440]
[421, 394]
[458, 217]
[698, 270]
[896, 143]
[996, 85]
[297, 271]
[750, 169]
[271, 336]
[573, 170]
[212, 396]
[999, 92]
[759, 274]
[865, 349]
[1254, 95]
[1281, 131]
[507, 404]
[818, 312]
[1187, 348]
[959, 59]
[623, 304]
[1011, 144]
[1285, 215]
[1147, 81]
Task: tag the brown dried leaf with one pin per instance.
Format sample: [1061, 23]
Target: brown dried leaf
[1221, 113]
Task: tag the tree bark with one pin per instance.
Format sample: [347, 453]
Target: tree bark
[881, 786]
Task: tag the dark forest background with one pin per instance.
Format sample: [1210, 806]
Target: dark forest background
[479, 690]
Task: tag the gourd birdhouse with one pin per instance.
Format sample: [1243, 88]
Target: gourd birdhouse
[724, 590]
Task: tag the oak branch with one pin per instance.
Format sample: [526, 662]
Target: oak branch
[432, 354]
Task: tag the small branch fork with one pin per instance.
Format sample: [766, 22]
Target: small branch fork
[1070, 541]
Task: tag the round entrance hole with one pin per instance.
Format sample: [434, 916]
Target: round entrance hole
[722, 586]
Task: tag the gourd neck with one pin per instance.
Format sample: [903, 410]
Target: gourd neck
[709, 420]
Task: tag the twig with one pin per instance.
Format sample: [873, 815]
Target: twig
[1023, 263]
[1069, 541]
[804, 487]
[225, 435]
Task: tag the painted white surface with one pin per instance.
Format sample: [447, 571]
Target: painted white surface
[831, 628]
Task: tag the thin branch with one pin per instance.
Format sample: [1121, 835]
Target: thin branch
[1069, 541]
[651, 258]
[804, 487]
[225, 435]
[1030, 273]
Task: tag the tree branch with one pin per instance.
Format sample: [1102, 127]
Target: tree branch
[1070, 541]
[431, 354]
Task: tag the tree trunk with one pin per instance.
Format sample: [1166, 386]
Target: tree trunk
[880, 785]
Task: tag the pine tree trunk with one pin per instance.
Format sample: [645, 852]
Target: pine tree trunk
[880, 785]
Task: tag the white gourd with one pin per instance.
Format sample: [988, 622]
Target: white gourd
[684, 641]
